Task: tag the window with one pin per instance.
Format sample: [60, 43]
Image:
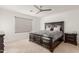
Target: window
[23, 25]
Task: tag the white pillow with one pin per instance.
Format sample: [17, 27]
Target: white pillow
[57, 28]
[48, 29]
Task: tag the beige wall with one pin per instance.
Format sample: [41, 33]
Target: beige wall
[7, 24]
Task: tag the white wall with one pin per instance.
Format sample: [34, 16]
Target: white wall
[71, 19]
[7, 24]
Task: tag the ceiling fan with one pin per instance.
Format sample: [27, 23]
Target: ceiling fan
[40, 9]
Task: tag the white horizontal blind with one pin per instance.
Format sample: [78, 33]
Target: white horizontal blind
[23, 25]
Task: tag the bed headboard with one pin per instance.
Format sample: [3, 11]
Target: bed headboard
[60, 23]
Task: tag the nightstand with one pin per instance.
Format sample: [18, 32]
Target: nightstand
[2, 43]
[71, 38]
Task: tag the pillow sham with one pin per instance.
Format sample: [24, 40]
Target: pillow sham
[57, 28]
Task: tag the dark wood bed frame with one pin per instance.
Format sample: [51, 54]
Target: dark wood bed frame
[49, 44]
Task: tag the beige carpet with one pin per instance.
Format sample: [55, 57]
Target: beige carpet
[24, 46]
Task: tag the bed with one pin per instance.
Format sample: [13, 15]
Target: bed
[51, 37]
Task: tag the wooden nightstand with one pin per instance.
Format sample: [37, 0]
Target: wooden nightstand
[71, 38]
[1, 43]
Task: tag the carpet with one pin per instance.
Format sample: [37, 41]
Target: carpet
[25, 46]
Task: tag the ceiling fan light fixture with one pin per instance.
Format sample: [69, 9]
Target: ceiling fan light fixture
[31, 10]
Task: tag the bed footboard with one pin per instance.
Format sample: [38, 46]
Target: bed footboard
[49, 44]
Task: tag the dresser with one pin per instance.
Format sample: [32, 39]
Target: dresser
[71, 38]
[2, 43]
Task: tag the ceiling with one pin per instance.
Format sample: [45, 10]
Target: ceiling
[31, 10]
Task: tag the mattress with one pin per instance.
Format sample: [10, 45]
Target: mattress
[53, 34]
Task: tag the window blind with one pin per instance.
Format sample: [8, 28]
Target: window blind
[23, 25]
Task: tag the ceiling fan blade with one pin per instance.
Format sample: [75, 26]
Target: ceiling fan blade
[38, 12]
[46, 9]
[37, 7]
